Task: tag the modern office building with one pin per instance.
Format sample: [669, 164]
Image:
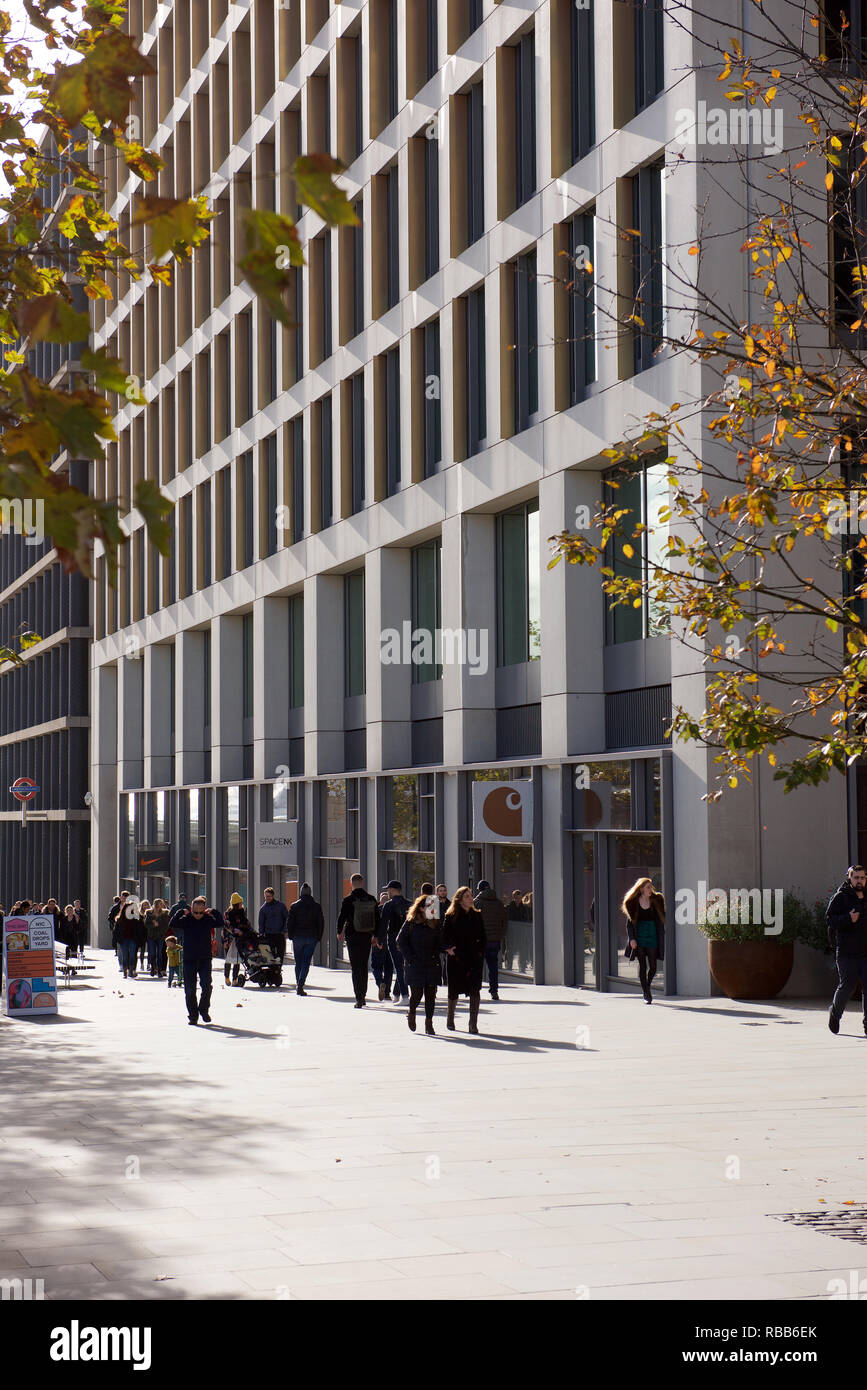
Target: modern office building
[395, 464]
[44, 716]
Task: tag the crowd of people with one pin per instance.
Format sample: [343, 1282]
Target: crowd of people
[70, 925]
[410, 947]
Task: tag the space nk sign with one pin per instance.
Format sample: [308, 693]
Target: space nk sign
[503, 812]
[276, 842]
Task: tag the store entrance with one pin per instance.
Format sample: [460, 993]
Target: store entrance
[334, 876]
[509, 870]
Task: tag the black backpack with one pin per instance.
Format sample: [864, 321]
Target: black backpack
[364, 915]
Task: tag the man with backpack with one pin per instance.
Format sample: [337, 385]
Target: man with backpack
[392, 917]
[358, 922]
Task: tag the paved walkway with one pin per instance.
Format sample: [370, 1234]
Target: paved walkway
[299, 1148]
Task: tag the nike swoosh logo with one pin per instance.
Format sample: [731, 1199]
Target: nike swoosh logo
[151, 861]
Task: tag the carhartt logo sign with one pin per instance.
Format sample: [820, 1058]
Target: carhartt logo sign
[503, 811]
[76, 1343]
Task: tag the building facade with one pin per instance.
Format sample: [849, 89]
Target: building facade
[394, 465]
[44, 703]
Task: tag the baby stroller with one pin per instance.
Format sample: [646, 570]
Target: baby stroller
[259, 964]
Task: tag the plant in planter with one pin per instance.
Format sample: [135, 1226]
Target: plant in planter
[744, 960]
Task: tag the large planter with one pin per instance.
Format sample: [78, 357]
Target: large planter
[750, 969]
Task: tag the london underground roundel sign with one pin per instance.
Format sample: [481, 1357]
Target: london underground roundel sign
[24, 789]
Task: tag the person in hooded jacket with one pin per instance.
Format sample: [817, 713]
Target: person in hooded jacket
[178, 909]
[420, 942]
[846, 916]
[392, 917]
[305, 928]
[464, 943]
[358, 923]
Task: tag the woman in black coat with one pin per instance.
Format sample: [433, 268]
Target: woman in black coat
[644, 910]
[464, 941]
[420, 942]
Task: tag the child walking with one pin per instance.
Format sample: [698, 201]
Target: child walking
[175, 956]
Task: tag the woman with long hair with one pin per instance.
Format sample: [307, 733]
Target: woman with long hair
[161, 920]
[644, 909]
[420, 942]
[464, 943]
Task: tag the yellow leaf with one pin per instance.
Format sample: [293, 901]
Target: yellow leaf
[628, 551]
[829, 180]
[749, 345]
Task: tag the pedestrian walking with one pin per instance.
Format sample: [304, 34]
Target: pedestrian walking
[391, 918]
[496, 921]
[305, 928]
[178, 909]
[420, 942]
[515, 911]
[155, 934]
[83, 925]
[464, 942]
[128, 925]
[644, 909]
[161, 919]
[69, 931]
[442, 901]
[194, 931]
[358, 922]
[846, 916]
[174, 956]
[237, 926]
[273, 916]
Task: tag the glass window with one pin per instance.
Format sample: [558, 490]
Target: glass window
[192, 846]
[513, 872]
[518, 597]
[247, 659]
[353, 608]
[642, 494]
[296, 651]
[335, 817]
[426, 609]
[404, 811]
[605, 802]
[630, 857]
[233, 826]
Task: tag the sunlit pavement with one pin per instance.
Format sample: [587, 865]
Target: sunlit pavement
[583, 1146]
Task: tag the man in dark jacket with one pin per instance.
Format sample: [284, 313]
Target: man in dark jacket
[846, 916]
[305, 926]
[193, 930]
[178, 909]
[392, 916]
[495, 921]
[358, 922]
[273, 916]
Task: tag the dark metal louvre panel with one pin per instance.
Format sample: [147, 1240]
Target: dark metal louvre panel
[427, 741]
[519, 731]
[296, 757]
[637, 718]
[355, 750]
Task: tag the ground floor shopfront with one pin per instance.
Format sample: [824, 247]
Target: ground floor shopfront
[561, 842]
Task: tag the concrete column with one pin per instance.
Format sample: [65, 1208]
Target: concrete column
[103, 788]
[323, 674]
[189, 707]
[387, 608]
[157, 732]
[130, 744]
[271, 687]
[469, 611]
[573, 702]
[227, 699]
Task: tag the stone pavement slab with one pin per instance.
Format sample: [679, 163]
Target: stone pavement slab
[301, 1149]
